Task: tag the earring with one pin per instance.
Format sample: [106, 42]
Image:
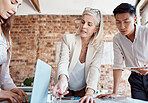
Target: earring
[1, 20]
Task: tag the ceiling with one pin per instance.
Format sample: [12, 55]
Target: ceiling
[68, 7]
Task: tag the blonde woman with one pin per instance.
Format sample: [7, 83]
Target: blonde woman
[8, 90]
[80, 58]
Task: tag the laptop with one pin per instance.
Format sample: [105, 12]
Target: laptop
[41, 82]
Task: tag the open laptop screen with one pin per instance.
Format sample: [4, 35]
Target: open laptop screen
[41, 82]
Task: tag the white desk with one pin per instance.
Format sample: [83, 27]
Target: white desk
[117, 100]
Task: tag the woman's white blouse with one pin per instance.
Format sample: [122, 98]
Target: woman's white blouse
[3, 49]
[77, 77]
[6, 82]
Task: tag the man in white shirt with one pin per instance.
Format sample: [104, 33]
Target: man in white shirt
[130, 50]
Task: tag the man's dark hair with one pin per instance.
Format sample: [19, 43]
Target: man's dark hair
[125, 8]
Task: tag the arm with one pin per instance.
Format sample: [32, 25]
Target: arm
[64, 58]
[14, 94]
[118, 63]
[62, 73]
[94, 69]
[93, 76]
[88, 98]
[6, 81]
[60, 88]
[9, 91]
[116, 75]
[3, 52]
[117, 68]
[9, 96]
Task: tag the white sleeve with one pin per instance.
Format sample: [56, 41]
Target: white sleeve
[6, 81]
[3, 51]
[64, 59]
[94, 70]
[118, 55]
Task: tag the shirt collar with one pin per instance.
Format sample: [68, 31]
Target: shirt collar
[136, 31]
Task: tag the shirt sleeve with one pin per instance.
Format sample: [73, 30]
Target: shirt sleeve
[6, 80]
[94, 70]
[3, 51]
[64, 59]
[118, 55]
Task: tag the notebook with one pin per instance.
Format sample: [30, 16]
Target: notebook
[41, 82]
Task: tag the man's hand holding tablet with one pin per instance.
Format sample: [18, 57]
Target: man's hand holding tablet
[142, 70]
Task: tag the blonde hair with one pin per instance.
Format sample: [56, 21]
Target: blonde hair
[98, 36]
[6, 27]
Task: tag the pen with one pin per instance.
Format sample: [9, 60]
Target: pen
[60, 97]
[70, 98]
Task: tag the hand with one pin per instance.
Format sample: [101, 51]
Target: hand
[106, 95]
[143, 71]
[21, 93]
[88, 98]
[9, 96]
[60, 88]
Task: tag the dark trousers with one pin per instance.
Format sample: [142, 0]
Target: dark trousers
[72, 93]
[139, 86]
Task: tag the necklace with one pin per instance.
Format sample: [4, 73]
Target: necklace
[85, 46]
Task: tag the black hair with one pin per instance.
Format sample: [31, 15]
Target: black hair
[125, 8]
